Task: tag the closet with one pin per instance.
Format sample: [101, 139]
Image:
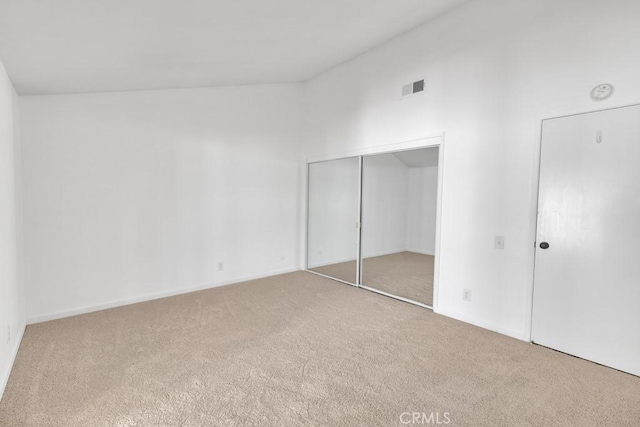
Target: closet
[372, 222]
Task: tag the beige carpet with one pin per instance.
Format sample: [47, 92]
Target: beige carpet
[405, 274]
[298, 349]
[343, 270]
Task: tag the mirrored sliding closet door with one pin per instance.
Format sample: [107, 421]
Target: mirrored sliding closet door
[333, 216]
[399, 199]
[372, 222]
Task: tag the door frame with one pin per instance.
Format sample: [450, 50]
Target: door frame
[535, 189]
[433, 140]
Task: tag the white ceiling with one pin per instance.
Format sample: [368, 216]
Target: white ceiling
[423, 157]
[70, 46]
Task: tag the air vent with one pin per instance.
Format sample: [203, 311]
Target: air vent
[411, 88]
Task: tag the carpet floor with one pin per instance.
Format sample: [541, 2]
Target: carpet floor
[298, 349]
[405, 274]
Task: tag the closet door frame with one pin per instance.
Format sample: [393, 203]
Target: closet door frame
[436, 140]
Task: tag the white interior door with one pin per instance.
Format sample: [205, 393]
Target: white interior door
[586, 298]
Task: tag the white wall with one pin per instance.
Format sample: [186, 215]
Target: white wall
[12, 303]
[129, 195]
[492, 69]
[140, 194]
[421, 211]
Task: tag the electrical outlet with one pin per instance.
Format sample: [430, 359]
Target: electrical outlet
[466, 295]
[498, 243]
[283, 259]
[221, 266]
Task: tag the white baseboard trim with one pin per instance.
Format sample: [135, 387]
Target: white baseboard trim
[519, 335]
[5, 375]
[384, 253]
[149, 297]
[336, 261]
[371, 255]
[420, 251]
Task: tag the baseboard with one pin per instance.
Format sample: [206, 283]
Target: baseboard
[371, 255]
[5, 375]
[336, 261]
[519, 335]
[384, 253]
[421, 252]
[150, 297]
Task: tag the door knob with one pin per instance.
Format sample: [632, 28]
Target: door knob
[544, 245]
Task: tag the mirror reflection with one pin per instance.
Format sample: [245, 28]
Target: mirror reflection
[399, 223]
[333, 214]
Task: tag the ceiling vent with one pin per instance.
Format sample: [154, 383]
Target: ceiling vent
[412, 88]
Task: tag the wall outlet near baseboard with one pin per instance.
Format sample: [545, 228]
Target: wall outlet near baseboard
[220, 266]
[466, 295]
[498, 243]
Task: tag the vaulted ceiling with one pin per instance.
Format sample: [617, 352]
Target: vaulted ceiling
[73, 46]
